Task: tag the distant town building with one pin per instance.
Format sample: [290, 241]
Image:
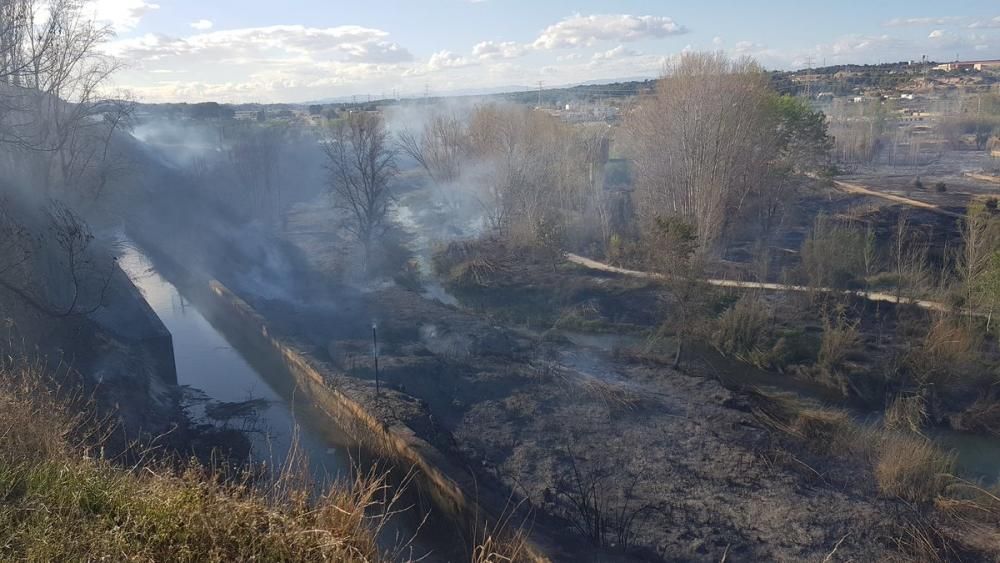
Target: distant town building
[970, 65]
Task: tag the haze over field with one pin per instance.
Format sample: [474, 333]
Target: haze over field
[499, 281]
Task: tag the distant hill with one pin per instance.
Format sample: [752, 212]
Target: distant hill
[840, 80]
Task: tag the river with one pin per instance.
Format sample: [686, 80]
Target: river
[218, 369]
[208, 363]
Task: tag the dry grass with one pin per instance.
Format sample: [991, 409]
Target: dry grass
[474, 264]
[614, 395]
[947, 352]
[505, 540]
[912, 468]
[982, 416]
[63, 502]
[826, 430]
[841, 340]
[947, 518]
[904, 465]
[906, 413]
[744, 332]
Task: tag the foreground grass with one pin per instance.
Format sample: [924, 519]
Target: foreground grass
[60, 501]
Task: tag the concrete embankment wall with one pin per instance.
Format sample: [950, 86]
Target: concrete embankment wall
[128, 317]
[396, 442]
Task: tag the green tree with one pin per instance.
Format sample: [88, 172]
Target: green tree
[803, 140]
[674, 254]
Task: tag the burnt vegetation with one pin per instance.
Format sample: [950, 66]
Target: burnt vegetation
[706, 319]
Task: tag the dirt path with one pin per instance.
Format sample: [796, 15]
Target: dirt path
[870, 295]
[854, 188]
[983, 177]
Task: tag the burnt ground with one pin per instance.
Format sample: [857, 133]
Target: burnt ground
[681, 455]
[673, 462]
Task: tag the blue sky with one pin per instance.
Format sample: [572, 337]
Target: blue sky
[298, 50]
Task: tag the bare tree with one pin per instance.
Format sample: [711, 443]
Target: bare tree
[361, 163]
[76, 276]
[51, 76]
[440, 149]
[909, 259]
[704, 142]
[535, 169]
[57, 132]
[979, 263]
[255, 154]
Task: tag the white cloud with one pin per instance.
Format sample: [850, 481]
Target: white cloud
[994, 22]
[748, 47]
[856, 45]
[256, 64]
[446, 59]
[578, 30]
[262, 44]
[921, 22]
[202, 25]
[121, 15]
[619, 52]
[493, 50]
[936, 34]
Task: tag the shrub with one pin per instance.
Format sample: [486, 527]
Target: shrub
[917, 184]
[840, 341]
[833, 255]
[623, 251]
[744, 332]
[940, 187]
[948, 352]
[912, 468]
[482, 263]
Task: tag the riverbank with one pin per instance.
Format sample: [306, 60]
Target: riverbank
[64, 501]
[377, 431]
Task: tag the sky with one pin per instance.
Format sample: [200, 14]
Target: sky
[239, 51]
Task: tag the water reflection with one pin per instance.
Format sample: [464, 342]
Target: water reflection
[207, 362]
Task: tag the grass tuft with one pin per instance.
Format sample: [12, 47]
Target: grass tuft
[911, 468]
